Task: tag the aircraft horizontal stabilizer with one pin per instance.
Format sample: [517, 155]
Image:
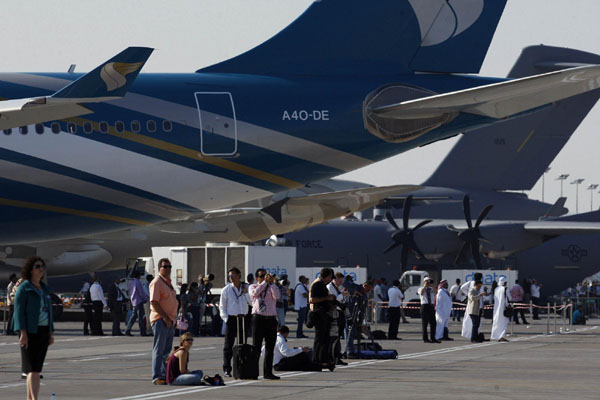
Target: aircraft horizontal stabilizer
[558, 227]
[499, 100]
[109, 81]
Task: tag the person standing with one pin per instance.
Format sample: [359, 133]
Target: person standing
[138, 297]
[163, 312]
[233, 306]
[98, 304]
[517, 293]
[457, 297]
[535, 297]
[501, 300]
[474, 310]
[264, 295]
[195, 300]
[443, 308]
[301, 304]
[33, 320]
[379, 299]
[427, 295]
[115, 303]
[10, 302]
[335, 288]
[465, 288]
[395, 306]
[149, 279]
[322, 305]
[87, 305]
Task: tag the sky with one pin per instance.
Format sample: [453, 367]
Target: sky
[49, 35]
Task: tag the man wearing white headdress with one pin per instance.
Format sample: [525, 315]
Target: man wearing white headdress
[466, 287]
[500, 322]
[443, 308]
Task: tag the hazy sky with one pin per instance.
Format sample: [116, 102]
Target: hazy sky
[49, 35]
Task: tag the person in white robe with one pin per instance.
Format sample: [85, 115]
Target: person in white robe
[467, 325]
[443, 308]
[501, 300]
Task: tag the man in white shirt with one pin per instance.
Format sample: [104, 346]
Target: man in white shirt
[458, 297]
[301, 304]
[395, 303]
[535, 297]
[336, 288]
[98, 304]
[294, 359]
[427, 295]
[233, 307]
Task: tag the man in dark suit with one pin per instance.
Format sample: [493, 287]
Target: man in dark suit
[115, 303]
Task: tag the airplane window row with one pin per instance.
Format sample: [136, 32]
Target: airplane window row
[135, 126]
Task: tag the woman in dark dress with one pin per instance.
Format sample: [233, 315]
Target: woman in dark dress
[33, 321]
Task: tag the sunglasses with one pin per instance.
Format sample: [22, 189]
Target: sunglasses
[189, 340]
[38, 266]
[260, 276]
[166, 266]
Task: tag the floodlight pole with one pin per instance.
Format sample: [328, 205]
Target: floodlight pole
[591, 188]
[577, 182]
[561, 178]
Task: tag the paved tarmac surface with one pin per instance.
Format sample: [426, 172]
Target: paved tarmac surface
[532, 366]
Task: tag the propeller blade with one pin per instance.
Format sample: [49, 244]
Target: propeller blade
[419, 253]
[391, 220]
[460, 254]
[406, 211]
[420, 225]
[483, 214]
[467, 210]
[475, 253]
[392, 247]
[404, 257]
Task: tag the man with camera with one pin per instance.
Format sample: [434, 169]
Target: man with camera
[264, 295]
[357, 307]
[427, 295]
[233, 307]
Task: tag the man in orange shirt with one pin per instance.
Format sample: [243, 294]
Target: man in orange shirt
[163, 313]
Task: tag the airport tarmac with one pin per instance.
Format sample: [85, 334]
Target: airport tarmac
[533, 365]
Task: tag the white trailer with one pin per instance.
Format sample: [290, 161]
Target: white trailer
[191, 262]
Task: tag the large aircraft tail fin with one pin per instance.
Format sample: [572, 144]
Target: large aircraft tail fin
[375, 37]
[514, 154]
[110, 79]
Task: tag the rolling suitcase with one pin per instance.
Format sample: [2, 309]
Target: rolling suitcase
[245, 356]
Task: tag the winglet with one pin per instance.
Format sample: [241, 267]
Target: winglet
[111, 79]
[274, 210]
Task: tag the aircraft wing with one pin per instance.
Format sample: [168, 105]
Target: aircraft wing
[108, 81]
[287, 214]
[554, 228]
[500, 100]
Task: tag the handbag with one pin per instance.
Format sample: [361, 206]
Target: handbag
[181, 324]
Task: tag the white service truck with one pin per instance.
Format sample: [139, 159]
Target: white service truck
[411, 281]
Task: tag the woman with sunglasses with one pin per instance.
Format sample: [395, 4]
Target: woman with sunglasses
[177, 364]
[33, 319]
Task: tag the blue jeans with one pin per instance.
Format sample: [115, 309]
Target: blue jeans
[163, 342]
[302, 312]
[138, 313]
[194, 378]
[280, 316]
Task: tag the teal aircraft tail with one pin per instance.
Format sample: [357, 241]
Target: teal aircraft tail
[358, 37]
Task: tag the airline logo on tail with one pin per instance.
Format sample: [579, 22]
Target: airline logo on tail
[113, 73]
[452, 18]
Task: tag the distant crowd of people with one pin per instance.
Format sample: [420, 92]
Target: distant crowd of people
[332, 304]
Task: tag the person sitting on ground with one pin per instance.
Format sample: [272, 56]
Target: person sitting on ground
[294, 359]
[177, 364]
[578, 318]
